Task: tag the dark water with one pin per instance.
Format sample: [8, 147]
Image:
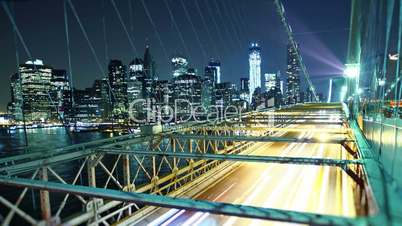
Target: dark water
[12, 142]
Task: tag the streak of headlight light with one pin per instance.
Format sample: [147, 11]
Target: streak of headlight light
[278, 188]
[173, 218]
[324, 187]
[250, 198]
[311, 173]
[201, 219]
[345, 195]
[192, 219]
[164, 217]
[201, 215]
[231, 220]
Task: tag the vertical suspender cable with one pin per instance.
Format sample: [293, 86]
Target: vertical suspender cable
[398, 64]
[124, 27]
[17, 31]
[17, 60]
[106, 47]
[86, 37]
[112, 94]
[70, 68]
[390, 13]
[104, 33]
[130, 16]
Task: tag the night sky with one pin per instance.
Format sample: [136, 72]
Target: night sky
[321, 28]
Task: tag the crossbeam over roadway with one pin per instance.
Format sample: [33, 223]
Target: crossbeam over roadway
[240, 158]
[183, 203]
[262, 138]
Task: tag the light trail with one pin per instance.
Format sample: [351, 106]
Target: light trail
[318, 189]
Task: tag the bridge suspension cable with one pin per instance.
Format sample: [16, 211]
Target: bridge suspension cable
[176, 27]
[129, 37]
[158, 36]
[209, 13]
[206, 27]
[281, 12]
[18, 34]
[188, 16]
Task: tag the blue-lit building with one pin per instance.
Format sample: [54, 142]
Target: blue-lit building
[254, 68]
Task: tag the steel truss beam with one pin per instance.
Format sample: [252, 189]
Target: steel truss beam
[240, 158]
[284, 122]
[261, 128]
[260, 139]
[45, 161]
[187, 204]
[65, 156]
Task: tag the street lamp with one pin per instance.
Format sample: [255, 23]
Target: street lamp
[381, 82]
[352, 70]
[352, 74]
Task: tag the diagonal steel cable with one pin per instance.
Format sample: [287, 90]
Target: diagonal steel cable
[175, 25]
[229, 18]
[206, 27]
[155, 28]
[187, 14]
[218, 31]
[70, 68]
[226, 28]
[124, 27]
[292, 41]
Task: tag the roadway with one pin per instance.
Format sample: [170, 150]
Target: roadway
[317, 189]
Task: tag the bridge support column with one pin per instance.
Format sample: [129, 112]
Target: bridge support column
[175, 169]
[127, 177]
[92, 205]
[44, 198]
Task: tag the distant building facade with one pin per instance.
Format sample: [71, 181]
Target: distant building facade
[39, 93]
[293, 74]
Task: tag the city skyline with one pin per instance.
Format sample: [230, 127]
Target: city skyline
[232, 60]
[200, 112]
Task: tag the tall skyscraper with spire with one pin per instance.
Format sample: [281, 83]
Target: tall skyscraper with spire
[149, 64]
[255, 68]
[149, 72]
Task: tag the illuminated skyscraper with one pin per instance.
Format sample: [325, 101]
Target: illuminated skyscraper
[180, 66]
[293, 72]
[135, 81]
[118, 86]
[245, 89]
[214, 68]
[40, 92]
[255, 67]
[61, 94]
[270, 82]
